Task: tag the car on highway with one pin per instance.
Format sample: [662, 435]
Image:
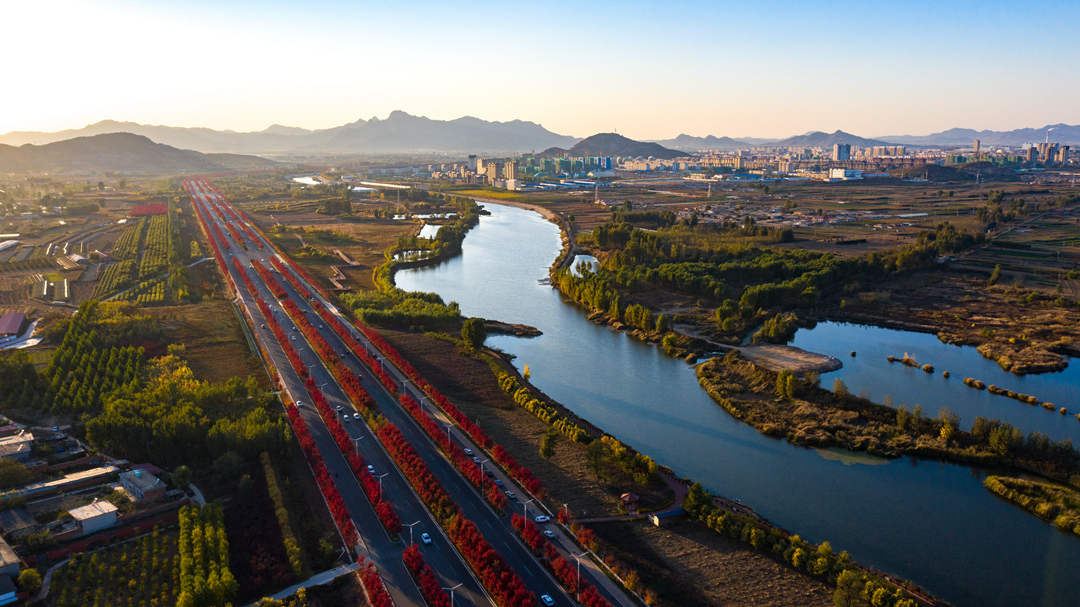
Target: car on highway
[356, 416]
[489, 473]
[476, 459]
[468, 451]
[320, 326]
[371, 469]
[542, 519]
[550, 534]
[300, 404]
[547, 600]
[294, 338]
[345, 418]
[510, 494]
[498, 483]
[425, 538]
[339, 408]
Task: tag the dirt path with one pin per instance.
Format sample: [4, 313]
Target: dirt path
[775, 357]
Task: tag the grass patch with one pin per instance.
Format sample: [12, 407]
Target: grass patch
[215, 346]
[1056, 503]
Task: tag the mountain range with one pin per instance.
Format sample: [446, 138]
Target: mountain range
[403, 133]
[118, 152]
[399, 132]
[1061, 133]
[613, 144]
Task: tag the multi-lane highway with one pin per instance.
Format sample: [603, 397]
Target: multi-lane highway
[440, 554]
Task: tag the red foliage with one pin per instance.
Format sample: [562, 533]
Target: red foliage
[269, 279]
[369, 577]
[499, 578]
[239, 238]
[425, 578]
[243, 276]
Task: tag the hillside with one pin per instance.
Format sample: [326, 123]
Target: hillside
[118, 152]
[399, 132]
[827, 140]
[689, 142]
[613, 144]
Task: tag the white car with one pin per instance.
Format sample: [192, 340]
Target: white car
[300, 404]
[371, 469]
[510, 494]
[356, 416]
[425, 538]
[294, 338]
[468, 451]
[345, 418]
[550, 534]
[541, 519]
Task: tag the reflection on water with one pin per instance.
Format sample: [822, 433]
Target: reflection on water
[927, 521]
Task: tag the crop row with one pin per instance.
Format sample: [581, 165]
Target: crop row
[127, 246]
[155, 255]
[115, 277]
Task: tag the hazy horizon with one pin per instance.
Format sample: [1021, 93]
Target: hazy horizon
[646, 71]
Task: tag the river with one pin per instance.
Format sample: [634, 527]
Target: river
[930, 522]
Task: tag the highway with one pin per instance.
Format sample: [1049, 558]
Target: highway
[440, 554]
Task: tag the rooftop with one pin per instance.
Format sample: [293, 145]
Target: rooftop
[97, 508]
[142, 480]
[16, 519]
[11, 324]
[7, 555]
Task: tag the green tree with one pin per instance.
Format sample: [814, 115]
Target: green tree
[595, 454]
[547, 444]
[839, 387]
[474, 333]
[182, 477]
[663, 323]
[849, 586]
[30, 580]
[995, 276]
[13, 474]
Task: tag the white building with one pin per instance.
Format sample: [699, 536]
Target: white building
[94, 517]
[845, 174]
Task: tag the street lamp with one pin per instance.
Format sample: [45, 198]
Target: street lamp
[356, 441]
[526, 504]
[448, 426]
[566, 512]
[380, 477]
[452, 592]
[410, 526]
[577, 586]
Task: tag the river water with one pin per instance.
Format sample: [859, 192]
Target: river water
[870, 371]
[930, 522]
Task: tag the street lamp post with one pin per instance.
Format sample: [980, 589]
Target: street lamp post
[526, 504]
[566, 512]
[452, 592]
[380, 477]
[410, 526]
[448, 426]
[577, 586]
[356, 441]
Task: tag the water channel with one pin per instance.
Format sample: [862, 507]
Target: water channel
[930, 522]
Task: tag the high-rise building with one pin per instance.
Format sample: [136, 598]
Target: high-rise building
[978, 144]
[510, 170]
[1032, 154]
[472, 162]
[841, 151]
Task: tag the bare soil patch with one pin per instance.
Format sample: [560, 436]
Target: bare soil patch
[216, 348]
[688, 564]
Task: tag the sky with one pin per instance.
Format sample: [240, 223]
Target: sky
[648, 70]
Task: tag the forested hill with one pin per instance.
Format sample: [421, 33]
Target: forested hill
[117, 152]
[613, 144]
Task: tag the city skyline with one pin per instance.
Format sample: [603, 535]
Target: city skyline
[647, 71]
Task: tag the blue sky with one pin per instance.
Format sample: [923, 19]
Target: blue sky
[648, 69]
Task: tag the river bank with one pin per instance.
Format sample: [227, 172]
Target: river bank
[654, 403]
